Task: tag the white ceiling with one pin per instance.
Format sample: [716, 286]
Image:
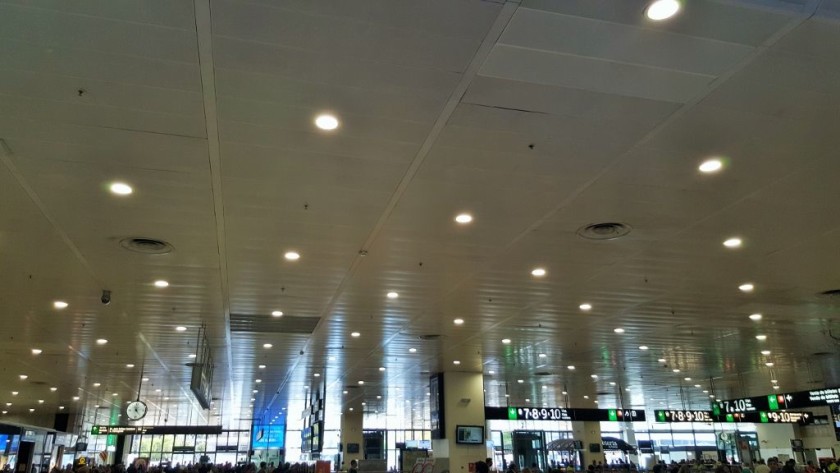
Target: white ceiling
[538, 117]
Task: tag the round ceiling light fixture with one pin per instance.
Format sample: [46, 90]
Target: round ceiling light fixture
[662, 9]
[326, 122]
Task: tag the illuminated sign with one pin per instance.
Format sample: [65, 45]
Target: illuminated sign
[777, 402]
[564, 414]
[672, 415]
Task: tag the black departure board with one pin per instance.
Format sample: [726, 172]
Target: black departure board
[154, 429]
[776, 402]
[757, 417]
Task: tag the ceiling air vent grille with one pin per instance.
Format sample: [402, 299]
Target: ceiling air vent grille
[604, 231]
[268, 324]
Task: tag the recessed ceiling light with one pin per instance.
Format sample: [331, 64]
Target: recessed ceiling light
[618, 330]
[343, 392]
[458, 321]
[593, 376]
[761, 337]
[585, 307]
[755, 316]
[776, 387]
[96, 385]
[145, 379]
[378, 397]
[456, 362]
[37, 351]
[14, 393]
[643, 347]
[33, 410]
[5, 412]
[520, 381]
[53, 389]
[676, 370]
[317, 375]
[113, 394]
[538, 272]
[696, 385]
[711, 165]
[527, 399]
[121, 188]
[571, 367]
[662, 360]
[659, 10]
[774, 381]
[705, 391]
[412, 350]
[564, 393]
[355, 334]
[23, 376]
[586, 397]
[361, 382]
[75, 398]
[277, 313]
[765, 352]
[326, 122]
[491, 372]
[392, 295]
[191, 355]
[612, 383]
[292, 255]
[732, 242]
[332, 358]
[262, 367]
[161, 283]
[746, 287]
[255, 391]
[381, 368]
[463, 218]
[180, 328]
[267, 345]
[687, 378]
[129, 365]
[60, 305]
[542, 355]
[769, 363]
[506, 341]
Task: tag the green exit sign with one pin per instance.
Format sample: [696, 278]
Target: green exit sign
[611, 415]
[512, 415]
[660, 416]
[773, 402]
[94, 430]
[763, 416]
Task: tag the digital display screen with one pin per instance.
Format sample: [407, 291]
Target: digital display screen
[469, 434]
[268, 436]
[759, 417]
[775, 402]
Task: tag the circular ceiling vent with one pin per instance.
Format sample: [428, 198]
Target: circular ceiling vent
[604, 231]
[833, 294]
[148, 246]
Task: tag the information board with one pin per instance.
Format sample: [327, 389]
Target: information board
[154, 429]
[776, 402]
[758, 417]
[564, 414]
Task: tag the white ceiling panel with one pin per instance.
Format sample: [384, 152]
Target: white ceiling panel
[596, 75]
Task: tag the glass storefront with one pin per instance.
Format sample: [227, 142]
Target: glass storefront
[231, 446]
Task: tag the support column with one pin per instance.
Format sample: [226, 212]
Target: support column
[352, 438]
[463, 404]
[589, 433]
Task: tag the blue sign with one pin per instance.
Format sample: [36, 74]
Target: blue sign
[268, 436]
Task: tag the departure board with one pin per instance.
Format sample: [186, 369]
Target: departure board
[758, 417]
[776, 402]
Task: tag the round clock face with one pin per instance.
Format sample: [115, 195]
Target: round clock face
[136, 410]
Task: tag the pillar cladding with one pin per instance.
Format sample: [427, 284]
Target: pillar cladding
[352, 439]
[589, 433]
[463, 398]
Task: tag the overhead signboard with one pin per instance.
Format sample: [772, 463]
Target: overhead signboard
[776, 402]
[564, 414]
[758, 417]
[683, 415]
[154, 429]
